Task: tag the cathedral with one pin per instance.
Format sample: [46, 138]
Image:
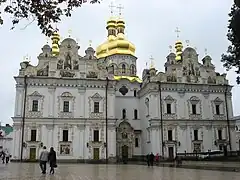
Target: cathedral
[95, 107]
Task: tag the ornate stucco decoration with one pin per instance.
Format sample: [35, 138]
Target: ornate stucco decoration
[29, 105]
[96, 98]
[43, 71]
[173, 102]
[66, 96]
[195, 101]
[219, 102]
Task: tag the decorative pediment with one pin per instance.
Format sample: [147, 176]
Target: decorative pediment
[194, 99]
[218, 101]
[169, 98]
[36, 94]
[96, 97]
[66, 94]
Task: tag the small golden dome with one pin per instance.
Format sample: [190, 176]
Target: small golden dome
[178, 47]
[55, 47]
[116, 43]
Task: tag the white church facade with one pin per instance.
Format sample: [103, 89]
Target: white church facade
[95, 106]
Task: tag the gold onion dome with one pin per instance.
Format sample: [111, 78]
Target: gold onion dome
[178, 47]
[55, 47]
[116, 44]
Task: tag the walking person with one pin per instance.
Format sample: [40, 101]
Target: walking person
[148, 160]
[3, 155]
[7, 154]
[52, 160]
[43, 160]
[151, 157]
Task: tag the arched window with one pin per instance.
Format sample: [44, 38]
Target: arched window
[135, 93]
[112, 66]
[132, 70]
[123, 68]
[135, 114]
[124, 114]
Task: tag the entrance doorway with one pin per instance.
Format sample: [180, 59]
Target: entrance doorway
[96, 153]
[32, 154]
[125, 153]
[170, 153]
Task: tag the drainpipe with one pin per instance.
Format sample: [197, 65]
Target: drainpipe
[228, 122]
[23, 116]
[106, 118]
[161, 116]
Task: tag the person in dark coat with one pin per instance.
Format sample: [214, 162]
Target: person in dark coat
[148, 159]
[52, 160]
[151, 158]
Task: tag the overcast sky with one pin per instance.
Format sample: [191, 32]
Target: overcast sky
[150, 26]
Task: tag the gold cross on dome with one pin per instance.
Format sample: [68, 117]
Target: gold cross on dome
[177, 31]
[120, 7]
[69, 33]
[111, 7]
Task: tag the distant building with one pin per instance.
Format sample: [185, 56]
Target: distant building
[187, 108]
[6, 138]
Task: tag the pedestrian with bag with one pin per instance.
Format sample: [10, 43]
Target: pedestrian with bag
[52, 160]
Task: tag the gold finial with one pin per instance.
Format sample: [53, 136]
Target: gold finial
[111, 7]
[120, 7]
[69, 33]
[187, 42]
[151, 63]
[178, 32]
[170, 48]
[206, 51]
[90, 43]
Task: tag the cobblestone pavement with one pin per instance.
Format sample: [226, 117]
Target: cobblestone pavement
[31, 171]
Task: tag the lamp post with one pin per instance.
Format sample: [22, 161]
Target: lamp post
[161, 116]
[106, 118]
[23, 116]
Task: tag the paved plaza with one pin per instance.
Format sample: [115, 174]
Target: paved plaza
[31, 171]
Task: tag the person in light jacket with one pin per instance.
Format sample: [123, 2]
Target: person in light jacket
[43, 160]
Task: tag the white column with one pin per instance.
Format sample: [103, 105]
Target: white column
[111, 142]
[51, 101]
[82, 105]
[19, 101]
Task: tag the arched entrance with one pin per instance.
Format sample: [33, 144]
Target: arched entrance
[125, 137]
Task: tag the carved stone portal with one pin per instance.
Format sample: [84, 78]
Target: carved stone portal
[125, 140]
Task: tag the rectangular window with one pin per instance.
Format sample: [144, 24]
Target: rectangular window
[169, 109]
[170, 137]
[136, 142]
[217, 109]
[65, 106]
[194, 109]
[195, 132]
[135, 93]
[135, 113]
[33, 135]
[96, 135]
[220, 134]
[65, 135]
[35, 105]
[96, 107]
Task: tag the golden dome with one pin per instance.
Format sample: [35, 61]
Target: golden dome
[116, 44]
[178, 47]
